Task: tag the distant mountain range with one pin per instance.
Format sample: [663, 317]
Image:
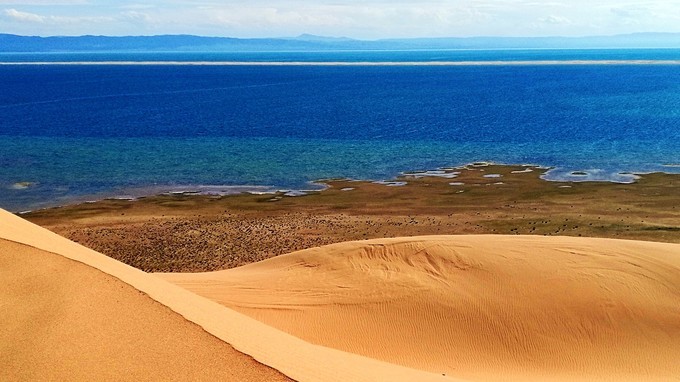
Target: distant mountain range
[306, 42]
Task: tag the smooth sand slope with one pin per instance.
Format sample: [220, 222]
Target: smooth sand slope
[63, 320]
[474, 307]
[69, 313]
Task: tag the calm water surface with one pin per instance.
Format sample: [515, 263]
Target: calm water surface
[70, 133]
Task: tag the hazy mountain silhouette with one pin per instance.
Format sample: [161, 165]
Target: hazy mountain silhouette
[15, 43]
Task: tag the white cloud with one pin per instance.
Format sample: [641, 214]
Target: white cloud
[365, 20]
[352, 18]
[137, 16]
[24, 16]
[27, 17]
[557, 20]
[43, 2]
[137, 6]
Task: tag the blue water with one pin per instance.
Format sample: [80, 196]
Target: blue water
[84, 132]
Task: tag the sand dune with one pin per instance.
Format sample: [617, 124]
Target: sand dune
[62, 320]
[411, 309]
[474, 307]
[69, 313]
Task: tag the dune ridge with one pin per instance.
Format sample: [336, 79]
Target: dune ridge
[292, 356]
[62, 320]
[474, 307]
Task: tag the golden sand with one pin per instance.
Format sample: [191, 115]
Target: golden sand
[65, 321]
[435, 308]
[475, 307]
[61, 318]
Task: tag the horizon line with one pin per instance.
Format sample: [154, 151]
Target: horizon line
[351, 63]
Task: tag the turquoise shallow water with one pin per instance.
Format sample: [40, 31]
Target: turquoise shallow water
[77, 133]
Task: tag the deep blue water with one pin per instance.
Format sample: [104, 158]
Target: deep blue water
[83, 132]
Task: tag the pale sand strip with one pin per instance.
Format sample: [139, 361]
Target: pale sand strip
[294, 357]
[356, 63]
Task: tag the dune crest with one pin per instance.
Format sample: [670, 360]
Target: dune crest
[70, 313]
[474, 307]
[62, 320]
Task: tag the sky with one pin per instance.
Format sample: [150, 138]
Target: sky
[363, 19]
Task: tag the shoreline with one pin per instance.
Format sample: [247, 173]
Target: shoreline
[548, 174]
[184, 190]
[192, 233]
